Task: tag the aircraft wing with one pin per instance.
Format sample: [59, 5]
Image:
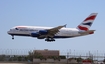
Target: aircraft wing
[55, 30]
[47, 32]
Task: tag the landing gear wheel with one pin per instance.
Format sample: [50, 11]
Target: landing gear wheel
[49, 39]
[52, 39]
[13, 38]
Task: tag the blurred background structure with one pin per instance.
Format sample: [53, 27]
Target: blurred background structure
[29, 55]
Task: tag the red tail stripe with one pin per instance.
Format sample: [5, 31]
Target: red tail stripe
[90, 18]
[91, 33]
[83, 28]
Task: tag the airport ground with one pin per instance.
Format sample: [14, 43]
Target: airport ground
[34, 63]
[27, 63]
[14, 63]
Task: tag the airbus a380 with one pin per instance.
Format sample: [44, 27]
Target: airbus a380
[51, 33]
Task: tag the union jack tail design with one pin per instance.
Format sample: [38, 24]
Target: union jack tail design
[86, 24]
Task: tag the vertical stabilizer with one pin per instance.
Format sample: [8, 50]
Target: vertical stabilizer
[86, 24]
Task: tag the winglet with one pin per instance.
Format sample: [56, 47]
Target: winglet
[65, 25]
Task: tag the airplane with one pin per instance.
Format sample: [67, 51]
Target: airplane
[52, 33]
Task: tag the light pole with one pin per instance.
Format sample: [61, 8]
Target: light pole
[97, 56]
[67, 57]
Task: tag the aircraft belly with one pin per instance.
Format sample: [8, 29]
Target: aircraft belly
[23, 32]
[20, 33]
[67, 34]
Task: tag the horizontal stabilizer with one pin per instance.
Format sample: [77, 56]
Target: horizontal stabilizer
[86, 32]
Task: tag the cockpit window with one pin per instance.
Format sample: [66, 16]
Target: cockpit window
[16, 28]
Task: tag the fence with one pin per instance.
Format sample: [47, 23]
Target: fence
[95, 55]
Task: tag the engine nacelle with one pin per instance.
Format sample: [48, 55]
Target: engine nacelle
[43, 32]
[34, 34]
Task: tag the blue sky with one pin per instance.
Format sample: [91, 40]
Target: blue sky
[52, 13]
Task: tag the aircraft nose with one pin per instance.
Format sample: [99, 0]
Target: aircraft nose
[8, 32]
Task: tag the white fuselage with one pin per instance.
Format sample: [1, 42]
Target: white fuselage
[27, 30]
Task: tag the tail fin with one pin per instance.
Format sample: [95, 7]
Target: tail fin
[86, 24]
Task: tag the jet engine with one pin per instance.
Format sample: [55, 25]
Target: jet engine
[34, 34]
[43, 32]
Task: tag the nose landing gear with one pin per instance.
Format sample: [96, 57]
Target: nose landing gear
[12, 37]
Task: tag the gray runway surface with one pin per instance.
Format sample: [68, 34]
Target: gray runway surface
[13, 63]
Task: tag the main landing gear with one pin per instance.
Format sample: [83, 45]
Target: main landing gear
[49, 39]
[13, 37]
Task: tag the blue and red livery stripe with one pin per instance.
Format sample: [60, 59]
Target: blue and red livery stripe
[83, 28]
[90, 18]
